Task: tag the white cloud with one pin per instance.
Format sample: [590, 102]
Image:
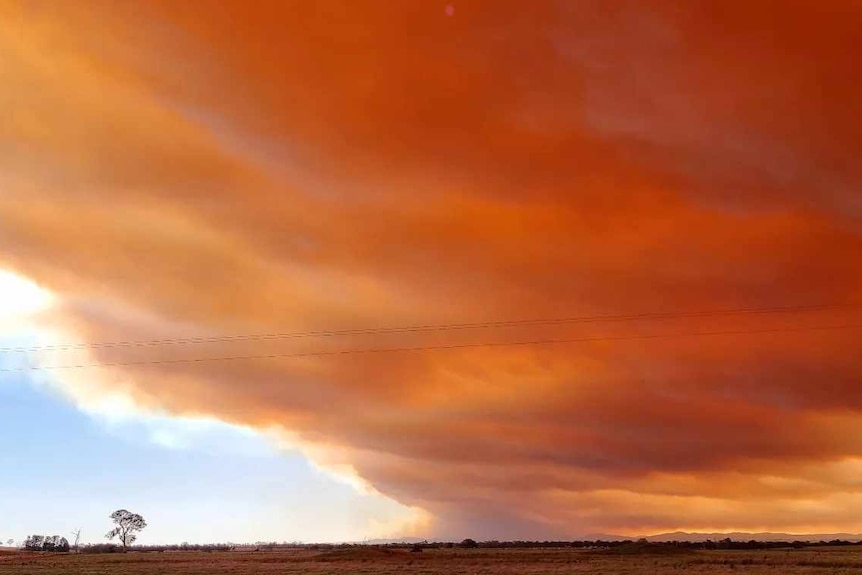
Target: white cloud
[20, 298]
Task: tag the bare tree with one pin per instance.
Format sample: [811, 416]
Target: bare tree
[128, 526]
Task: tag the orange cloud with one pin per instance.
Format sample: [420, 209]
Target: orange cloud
[273, 167]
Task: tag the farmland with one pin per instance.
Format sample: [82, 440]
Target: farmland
[370, 560]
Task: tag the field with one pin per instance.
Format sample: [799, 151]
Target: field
[824, 560]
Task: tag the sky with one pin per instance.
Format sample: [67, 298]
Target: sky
[188, 178]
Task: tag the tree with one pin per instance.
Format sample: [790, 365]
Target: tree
[128, 526]
[469, 544]
[50, 543]
[53, 543]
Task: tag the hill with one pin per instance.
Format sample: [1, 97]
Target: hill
[736, 536]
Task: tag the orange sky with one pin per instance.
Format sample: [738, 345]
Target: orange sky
[265, 167]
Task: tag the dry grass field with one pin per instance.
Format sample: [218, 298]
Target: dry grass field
[832, 561]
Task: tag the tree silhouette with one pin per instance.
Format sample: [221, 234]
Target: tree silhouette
[128, 526]
[46, 543]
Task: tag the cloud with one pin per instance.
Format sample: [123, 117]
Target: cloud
[20, 299]
[295, 167]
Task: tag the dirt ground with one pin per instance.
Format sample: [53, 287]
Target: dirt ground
[832, 561]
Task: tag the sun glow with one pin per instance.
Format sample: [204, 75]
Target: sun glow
[20, 297]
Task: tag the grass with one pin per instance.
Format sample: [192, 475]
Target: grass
[823, 560]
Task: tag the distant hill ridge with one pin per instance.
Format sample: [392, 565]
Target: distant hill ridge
[410, 540]
[736, 536]
[692, 537]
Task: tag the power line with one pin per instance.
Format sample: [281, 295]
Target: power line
[429, 328]
[437, 347]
